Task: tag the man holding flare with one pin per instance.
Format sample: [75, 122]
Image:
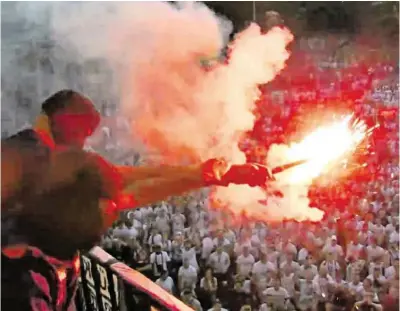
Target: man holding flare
[59, 199]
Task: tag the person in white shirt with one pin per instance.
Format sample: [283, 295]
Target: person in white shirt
[166, 282]
[302, 255]
[368, 288]
[306, 296]
[166, 243]
[392, 271]
[308, 268]
[120, 231]
[255, 240]
[364, 235]
[163, 223]
[331, 265]
[333, 248]
[146, 211]
[158, 262]
[178, 222]
[219, 261]
[189, 252]
[261, 270]
[155, 238]
[378, 229]
[242, 285]
[294, 266]
[394, 236]
[240, 243]
[322, 284]
[353, 250]
[369, 300]
[230, 236]
[209, 286]
[163, 207]
[217, 306]
[276, 296]
[189, 299]
[245, 262]
[356, 287]
[220, 240]
[288, 280]
[286, 246]
[187, 276]
[176, 253]
[138, 214]
[373, 250]
[378, 280]
[207, 246]
[377, 262]
[394, 221]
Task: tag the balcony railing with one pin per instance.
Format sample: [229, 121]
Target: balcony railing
[109, 285]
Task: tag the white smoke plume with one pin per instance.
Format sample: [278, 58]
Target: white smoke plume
[152, 53]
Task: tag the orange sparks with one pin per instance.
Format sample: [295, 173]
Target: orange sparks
[325, 147]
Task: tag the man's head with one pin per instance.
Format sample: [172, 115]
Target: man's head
[289, 257]
[186, 262]
[157, 248]
[323, 271]
[164, 275]
[309, 260]
[187, 244]
[72, 117]
[355, 278]
[217, 305]
[377, 272]
[187, 295]
[272, 19]
[308, 274]
[246, 250]
[277, 283]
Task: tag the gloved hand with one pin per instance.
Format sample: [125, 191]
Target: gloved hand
[218, 172]
[248, 174]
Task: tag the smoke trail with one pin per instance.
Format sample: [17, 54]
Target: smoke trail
[151, 56]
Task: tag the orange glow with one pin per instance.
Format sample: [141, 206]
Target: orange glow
[325, 147]
[77, 264]
[61, 274]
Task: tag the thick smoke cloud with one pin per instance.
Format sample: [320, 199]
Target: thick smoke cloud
[145, 58]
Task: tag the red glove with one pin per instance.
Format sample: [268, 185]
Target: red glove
[249, 174]
[217, 172]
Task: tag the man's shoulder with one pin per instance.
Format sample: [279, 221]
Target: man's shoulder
[26, 139]
[27, 135]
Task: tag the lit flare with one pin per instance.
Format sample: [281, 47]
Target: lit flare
[324, 147]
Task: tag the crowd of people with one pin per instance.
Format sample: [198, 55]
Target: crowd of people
[348, 260]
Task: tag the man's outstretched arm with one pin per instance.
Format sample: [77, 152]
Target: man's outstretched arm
[132, 174]
[179, 180]
[151, 190]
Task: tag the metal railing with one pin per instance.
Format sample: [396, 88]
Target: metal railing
[109, 285]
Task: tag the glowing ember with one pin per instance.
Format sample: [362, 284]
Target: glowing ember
[325, 147]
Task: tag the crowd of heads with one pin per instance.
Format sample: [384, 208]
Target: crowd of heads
[212, 259]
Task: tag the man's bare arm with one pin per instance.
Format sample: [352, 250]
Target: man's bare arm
[156, 189]
[132, 174]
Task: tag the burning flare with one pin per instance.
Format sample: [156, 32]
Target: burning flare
[324, 147]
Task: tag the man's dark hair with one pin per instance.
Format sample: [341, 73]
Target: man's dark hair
[58, 101]
[74, 102]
